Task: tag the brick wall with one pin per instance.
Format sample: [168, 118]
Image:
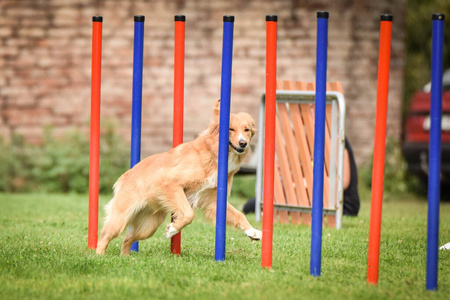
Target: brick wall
[45, 61]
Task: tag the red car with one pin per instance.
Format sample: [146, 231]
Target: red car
[416, 133]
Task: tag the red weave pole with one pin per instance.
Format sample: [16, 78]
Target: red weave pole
[95, 131]
[178, 103]
[269, 140]
[379, 149]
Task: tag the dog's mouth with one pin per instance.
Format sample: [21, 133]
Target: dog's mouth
[239, 150]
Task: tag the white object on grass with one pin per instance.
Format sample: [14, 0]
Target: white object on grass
[445, 247]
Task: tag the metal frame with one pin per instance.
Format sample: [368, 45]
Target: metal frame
[336, 196]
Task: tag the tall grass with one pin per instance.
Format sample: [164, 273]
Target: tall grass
[44, 255]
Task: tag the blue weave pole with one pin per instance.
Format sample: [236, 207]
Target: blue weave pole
[434, 157]
[136, 113]
[222, 173]
[319, 141]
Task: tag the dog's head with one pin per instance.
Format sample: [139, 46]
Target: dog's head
[242, 129]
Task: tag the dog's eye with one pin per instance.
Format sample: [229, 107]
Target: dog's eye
[231, 129]
[246, 129]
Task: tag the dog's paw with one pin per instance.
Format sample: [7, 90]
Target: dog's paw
[170, 231]
[254, 234]
[445, 247]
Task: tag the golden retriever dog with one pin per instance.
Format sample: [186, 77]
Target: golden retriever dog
[177, 182]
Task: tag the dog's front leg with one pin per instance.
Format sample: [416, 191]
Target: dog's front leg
[237, 219]
[234, 217]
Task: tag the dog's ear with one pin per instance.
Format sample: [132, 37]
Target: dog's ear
[250, 122]
[253, 128]
[216, 110]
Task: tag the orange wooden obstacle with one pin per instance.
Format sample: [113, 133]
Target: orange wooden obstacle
[294, 153]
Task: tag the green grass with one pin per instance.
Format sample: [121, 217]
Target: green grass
[44, 255]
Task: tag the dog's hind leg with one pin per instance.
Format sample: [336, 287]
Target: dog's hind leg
[177, 203]
[143, 226]
[114, 225]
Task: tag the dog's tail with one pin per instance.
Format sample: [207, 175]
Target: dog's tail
[108, 208]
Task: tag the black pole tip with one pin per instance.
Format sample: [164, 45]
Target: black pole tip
[97, 19]
[439, 16]
[272, 18]
[228, 18]
[322, 14]
[386, 17]
[139, 18]
[181, 18]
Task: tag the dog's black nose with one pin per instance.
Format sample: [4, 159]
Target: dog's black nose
[243, 143]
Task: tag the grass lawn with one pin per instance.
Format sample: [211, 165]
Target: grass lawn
[44, 255]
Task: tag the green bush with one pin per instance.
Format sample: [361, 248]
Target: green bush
[60, 164]
[16, 163]
[397, 180]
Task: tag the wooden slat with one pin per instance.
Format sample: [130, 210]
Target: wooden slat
[308, 117]
[337, 86]
[303, 148]
[282, 216]
[293, 158]
[302, 142]
[287, 182]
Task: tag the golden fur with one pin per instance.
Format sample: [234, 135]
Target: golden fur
[177, 181]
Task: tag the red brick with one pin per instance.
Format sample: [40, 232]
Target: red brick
[46, 65]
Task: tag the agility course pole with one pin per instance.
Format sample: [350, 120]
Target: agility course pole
[136, 113]
[379, 148]
[269, 140]
[319, 143]
[94, 156]
[225, 103]
[178, 103]
[434, 157]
